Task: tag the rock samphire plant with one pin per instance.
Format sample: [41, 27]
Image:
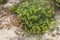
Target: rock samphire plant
[36, 15]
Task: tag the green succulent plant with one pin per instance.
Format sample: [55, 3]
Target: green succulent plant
[36, 15]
